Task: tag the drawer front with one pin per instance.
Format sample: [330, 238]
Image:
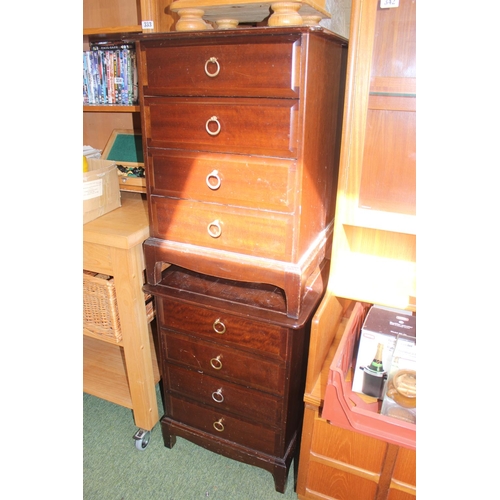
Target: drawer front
[266, 127]
[222, 425]
[224, 328]
[266, 183]
[229, 364]
[250, 67]
[224, 396]
[252, 232]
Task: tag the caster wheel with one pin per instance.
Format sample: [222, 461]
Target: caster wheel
[141, 439]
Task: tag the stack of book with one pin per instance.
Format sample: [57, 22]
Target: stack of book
[110, 74]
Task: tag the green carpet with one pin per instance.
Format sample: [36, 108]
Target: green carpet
[113, 469]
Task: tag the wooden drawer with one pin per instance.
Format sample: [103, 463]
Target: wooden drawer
[264, 183]
[246, 67]
[252, 232]
[265, 127]
[236, 430]
[223, 328]
[224, 396]
[220, 361]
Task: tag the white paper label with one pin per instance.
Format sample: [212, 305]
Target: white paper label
[148, 25]
[389, 4]
[92, 189]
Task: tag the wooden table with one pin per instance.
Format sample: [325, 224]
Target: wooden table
[122, 372]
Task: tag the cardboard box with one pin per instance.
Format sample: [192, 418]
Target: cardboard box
[384, 326]
[101, 189]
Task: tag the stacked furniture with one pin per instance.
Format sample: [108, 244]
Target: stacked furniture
[241, 136]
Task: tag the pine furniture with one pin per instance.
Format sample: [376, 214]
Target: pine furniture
[228, 14]
[124, 372]
[373, 254]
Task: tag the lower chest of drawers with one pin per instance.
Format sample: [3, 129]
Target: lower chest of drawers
[233, 367]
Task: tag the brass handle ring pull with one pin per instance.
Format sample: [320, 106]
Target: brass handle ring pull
[212, 60]
[217, 396]
[216, 363]
[213, 175]
[219, 327]
[214, 229]
[213, 119]
[219, 426]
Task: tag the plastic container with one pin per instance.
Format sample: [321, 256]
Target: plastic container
[346, 409]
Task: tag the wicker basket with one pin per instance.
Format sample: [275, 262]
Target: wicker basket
[100, 308]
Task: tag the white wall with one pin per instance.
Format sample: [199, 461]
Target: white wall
[340, 21]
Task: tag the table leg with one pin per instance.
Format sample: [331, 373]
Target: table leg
[128, 266]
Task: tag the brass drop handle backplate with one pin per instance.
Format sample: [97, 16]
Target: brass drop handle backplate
[213, 180]
[217, 395]
[212, 60]
[218, 425]
[213, 119]
[219, 327]
[216, 363]
[214, 229]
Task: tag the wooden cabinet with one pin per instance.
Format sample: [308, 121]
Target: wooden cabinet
[241, 130]
[374, 245]
[339, 462]
[373, 256]
[233, 366]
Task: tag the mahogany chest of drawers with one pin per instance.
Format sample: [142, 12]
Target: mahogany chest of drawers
[241, 133]
[233, 366]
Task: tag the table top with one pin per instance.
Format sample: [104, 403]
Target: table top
[124, 227]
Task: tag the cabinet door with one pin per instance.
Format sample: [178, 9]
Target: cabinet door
[374, 249]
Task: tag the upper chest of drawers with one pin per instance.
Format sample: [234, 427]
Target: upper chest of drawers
[241, 133]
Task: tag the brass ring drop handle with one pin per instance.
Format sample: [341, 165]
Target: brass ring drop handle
[217, 396]
[216, 363]
[212, 60]
[213, 119]
[214, 174]
[219, 327]
[214, 229]
[219, 426]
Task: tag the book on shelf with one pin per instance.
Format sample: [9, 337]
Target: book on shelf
[110, 74]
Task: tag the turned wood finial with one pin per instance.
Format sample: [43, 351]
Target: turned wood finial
[191, 20]
[225, 24]
[285, 14]
[311, 20]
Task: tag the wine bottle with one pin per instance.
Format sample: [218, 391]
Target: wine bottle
[377, 364]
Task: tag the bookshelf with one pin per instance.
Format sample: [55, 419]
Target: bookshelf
[116, 20]
[123, 374]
